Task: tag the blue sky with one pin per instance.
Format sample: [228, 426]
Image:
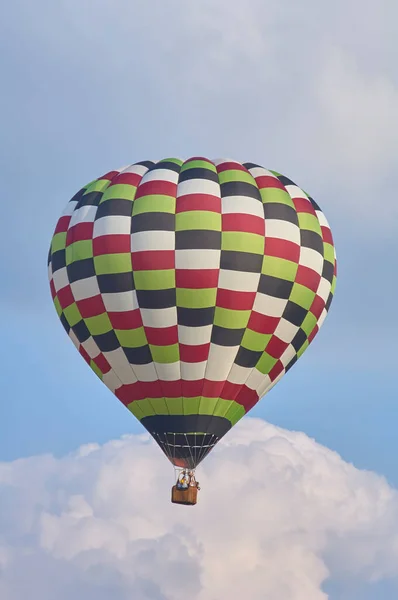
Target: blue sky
[91, 86]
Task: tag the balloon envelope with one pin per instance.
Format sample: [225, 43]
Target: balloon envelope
[190, 288]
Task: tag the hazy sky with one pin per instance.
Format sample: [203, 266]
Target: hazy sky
[308, 89]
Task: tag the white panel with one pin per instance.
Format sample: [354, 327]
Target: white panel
[168, 371]
[238, 281]
[220, 361]
[283, 230]
[193, 371]
[85, 288]
[120, 301]
[286, 331]
[197, 259]
[85, 214]
[60, 278]
[112, 225]
[268, 305]
[239, 374]
[242, 204]
[159, 317]
[161, 175]
[194, 336]
[199, 186]
[152, 240]
[312, 259]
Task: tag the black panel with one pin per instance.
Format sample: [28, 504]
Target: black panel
[153, 221]
[81, 269]
[247, 358]
[198, 240]
[195, 317]
[156, 298]
[107, 342]
[282, 212]
[58, 260]
[138, 356]
[241, 261]
[116, 282]
[285, 180]
[223, 336]
[161, 424]
[197, 173]
[114, 206]
[240, 188]
[166, 164]
[81, 331]
[299, 340]
[89, 199]
[328, 270]
[294, 313]
[273, 286]
[311, 239]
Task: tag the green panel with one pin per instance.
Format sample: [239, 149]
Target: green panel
[96, 369]
[203, 298]
[112, 263]
[154, 203]
[231, 319]
[303, 348]
[131, 338]
[236, 175]
[176, 161]
[235, 413]
[310, 222]
[328, 252]
[165, 354]
[159, 406]
[198, 164]
[242, 241]
[174, 406]
[309, 323]
[155, 280]
[58, 241]
[72, 314]
[98, 324]
[98, 185]
[207, 406]
[198, 219]
[57, 305]
[302, 295]
[191, 405]
[123, 191]
[142, 408]
[252, 340]
[266, 363]
[224, 407]
[276, 195]
[79, 251]
[279, 267]
[333, 284]
[136, 410]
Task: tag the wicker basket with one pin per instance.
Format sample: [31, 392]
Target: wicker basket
[188, 497]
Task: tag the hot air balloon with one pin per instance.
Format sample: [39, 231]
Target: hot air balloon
[190, 288]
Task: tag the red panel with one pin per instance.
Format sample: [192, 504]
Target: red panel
[197, 278]
[164, 188]
[303, 205]
[228, 166]
[327, 235]
[317, 306]
[204, 202]
[102, 363]
[267, 181]
[162, 336]
[65, 297]
[91, 307]
[124, 320]
[262, 323]
[79, 232]
[63, 224]
[235, 300]
[148, 260]
[276, 370]
[308, 277]
[276, 347]
[194, 354]
[282, 249]
[247, 398]
[111, 244]
[243, 222]
[127, 179]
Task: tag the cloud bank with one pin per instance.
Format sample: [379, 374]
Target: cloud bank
[278, 516]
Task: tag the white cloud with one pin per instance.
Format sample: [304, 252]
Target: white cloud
[277, 515]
